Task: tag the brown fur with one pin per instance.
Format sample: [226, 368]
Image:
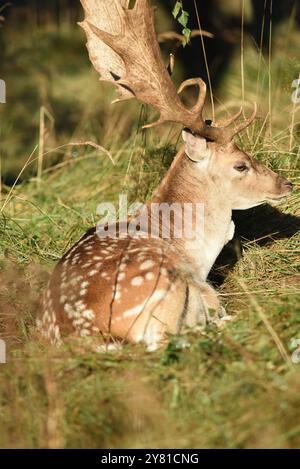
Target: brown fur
[140, 290]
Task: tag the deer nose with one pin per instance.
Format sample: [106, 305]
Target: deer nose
[284, 184]
[288, 185]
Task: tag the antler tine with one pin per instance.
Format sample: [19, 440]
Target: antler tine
[230, 120]
[111, 40]
[171, 64]
[243, 125]
[196, 110]
[154, 124]
[198, 107]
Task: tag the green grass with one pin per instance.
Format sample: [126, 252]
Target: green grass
[234, 387]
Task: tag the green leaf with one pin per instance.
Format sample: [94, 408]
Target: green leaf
[183, 18]
[177, 8]
[187, 34]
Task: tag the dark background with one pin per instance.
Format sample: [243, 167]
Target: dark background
[225, 26]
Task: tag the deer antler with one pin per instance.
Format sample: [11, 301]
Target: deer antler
[124, 49]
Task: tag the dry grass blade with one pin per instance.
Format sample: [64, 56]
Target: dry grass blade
[267, 323]
[9, 195]
[94, 145]
[42, 139]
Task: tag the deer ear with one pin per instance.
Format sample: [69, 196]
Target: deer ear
[195, 147]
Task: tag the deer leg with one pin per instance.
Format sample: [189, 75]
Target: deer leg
[161, 319]
[210, 299]
[190, 305]
[217, 312]
[204, 306]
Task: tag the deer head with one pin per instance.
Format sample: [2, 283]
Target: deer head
[243, 180]
[125, 51]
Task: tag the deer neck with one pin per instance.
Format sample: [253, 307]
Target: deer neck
[184, 183]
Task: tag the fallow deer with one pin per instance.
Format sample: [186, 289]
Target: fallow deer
[132, 288]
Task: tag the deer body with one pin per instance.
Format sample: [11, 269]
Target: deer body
[138, 289]
[142, 288]
[135, 289]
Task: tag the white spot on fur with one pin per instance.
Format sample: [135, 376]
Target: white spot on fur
[74, 281]
[150, 276]
[69, 310]
[92, 273]
[88, 314]
[137, 281]
[80, 306]
[78, 322]
[147, 265]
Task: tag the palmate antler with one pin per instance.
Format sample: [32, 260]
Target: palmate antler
[123, 48]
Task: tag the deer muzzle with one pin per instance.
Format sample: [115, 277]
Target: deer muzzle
[284, 185]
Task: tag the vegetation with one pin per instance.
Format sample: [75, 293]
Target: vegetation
[234, 387]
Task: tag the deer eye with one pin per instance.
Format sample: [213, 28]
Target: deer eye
[241, 167]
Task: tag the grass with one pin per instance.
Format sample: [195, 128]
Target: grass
[234, 387]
